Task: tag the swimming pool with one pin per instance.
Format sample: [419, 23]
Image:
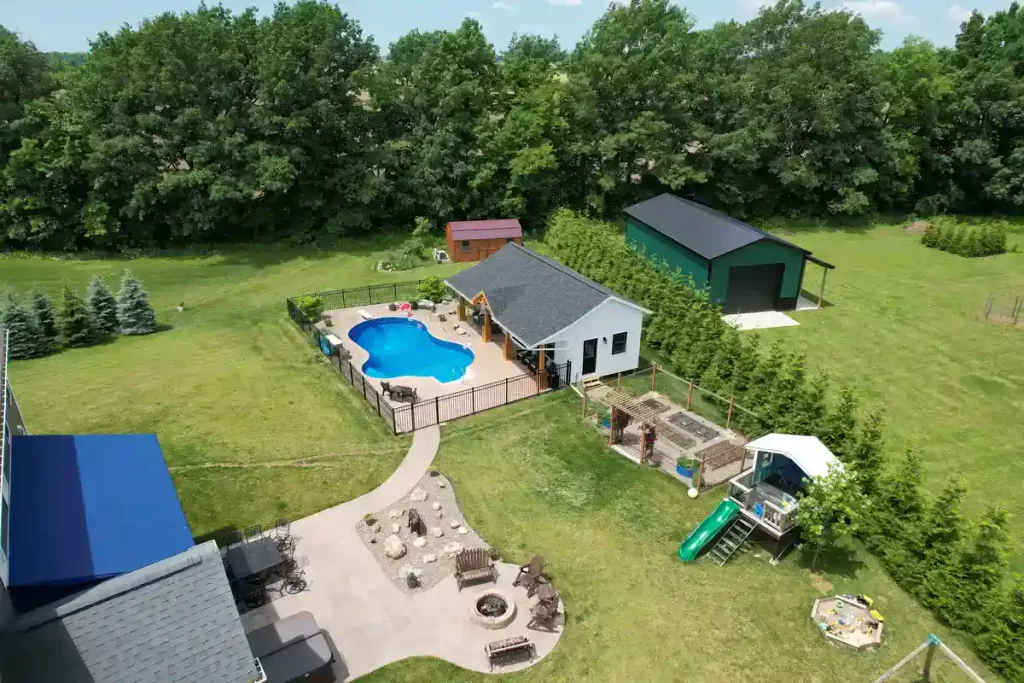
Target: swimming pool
[401, 347]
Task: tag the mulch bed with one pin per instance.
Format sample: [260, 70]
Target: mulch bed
[698, 429]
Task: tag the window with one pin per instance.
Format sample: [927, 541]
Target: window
[619, 343]
[465, 245]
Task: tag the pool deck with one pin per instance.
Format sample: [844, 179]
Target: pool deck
[488, 365]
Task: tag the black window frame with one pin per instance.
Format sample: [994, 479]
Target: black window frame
[465, 245]
[616, 341]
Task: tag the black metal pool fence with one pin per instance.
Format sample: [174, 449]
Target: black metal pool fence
[412, 416]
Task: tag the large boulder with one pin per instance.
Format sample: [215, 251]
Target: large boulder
[394, 547]
[418, 496]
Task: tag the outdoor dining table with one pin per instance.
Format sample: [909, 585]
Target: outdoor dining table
[254, 557]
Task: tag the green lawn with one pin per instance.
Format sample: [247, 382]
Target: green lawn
[905, 332]
[532, 478]
[254, 425]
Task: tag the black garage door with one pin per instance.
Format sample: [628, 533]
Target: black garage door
[753, 288]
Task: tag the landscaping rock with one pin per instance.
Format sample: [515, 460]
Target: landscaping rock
[436, 505]
[406, 569]
[395, 528]
[454, 524]
[440, 514]
[429, 557]
[418, 495]
[394, 547]
[420, 542]
[453, 548]
[442, 484]
[436, 532]
[395, 514]
[463, 530]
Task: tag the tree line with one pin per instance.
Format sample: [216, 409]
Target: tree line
[956, 566]
[211, 126]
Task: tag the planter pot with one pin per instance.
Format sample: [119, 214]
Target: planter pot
[684, 472]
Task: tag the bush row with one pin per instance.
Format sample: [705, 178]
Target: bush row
[957, 569]
[36, 329]
[965, 240]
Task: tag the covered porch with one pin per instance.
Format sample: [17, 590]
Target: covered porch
[767, 493]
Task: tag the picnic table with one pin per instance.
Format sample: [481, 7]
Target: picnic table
[254, 557]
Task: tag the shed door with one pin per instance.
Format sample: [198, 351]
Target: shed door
[754, 288]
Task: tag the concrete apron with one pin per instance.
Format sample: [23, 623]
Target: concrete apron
[368, 621]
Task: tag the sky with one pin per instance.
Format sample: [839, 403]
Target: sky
[68, 25]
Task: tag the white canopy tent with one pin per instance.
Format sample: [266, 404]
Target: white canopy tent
[807, 452]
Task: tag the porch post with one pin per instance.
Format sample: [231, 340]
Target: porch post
[462, 308]
[821, 294]
[487, 325]
[506, 347]
[542, 379]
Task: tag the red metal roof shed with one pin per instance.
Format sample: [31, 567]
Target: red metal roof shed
[502, 228]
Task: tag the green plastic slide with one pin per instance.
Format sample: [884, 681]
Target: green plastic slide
[708, 529]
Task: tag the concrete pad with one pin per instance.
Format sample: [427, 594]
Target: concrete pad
[368, 621]
[759, 321]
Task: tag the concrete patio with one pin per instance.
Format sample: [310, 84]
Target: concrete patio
[488, 365]
[369, 622]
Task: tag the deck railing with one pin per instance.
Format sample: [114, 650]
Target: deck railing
[741, 488]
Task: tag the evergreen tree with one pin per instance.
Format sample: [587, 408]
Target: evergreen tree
[894, 520]
[74, 322]
[811, 408]
[971, 246]
[840, 424]
[1002, 644]
[134, 313]
[102, 307]
[26, 339]
[44, 314]
[866, 455]
[945, 236]
[956, 240]
[941, 534]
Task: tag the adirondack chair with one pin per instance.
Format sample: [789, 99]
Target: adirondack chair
[474, 565]
[529, 576]
[543, 615]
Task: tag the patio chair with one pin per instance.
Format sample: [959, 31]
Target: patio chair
[530, 574]
[474, 565]
[401, 393]
[282, 527]
[251, 532]
[542, 615]
[385, 388]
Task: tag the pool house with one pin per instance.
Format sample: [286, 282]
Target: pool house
[543, 314]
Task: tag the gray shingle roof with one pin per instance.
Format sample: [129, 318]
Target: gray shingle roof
[530, 294]
[173, 621]
[700, 229]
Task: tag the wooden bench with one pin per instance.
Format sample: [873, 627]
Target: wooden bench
[509, 650]
[474, 565]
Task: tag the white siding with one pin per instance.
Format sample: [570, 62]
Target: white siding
[609, 318]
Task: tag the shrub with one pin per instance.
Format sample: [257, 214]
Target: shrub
[26, 338]
[134, 314]
[102, 307]
[311, 306]
[74, 322]
[433, 289]
[967, 241]
[40, 303]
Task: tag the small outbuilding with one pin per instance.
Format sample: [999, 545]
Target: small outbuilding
[745, 269]
[476, 240]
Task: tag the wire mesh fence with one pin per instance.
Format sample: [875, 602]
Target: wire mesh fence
[706, 432]
[412, 416]
[368, 295]
[1005, 310]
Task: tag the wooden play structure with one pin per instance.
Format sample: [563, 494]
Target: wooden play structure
[626, 409]
[929, 647]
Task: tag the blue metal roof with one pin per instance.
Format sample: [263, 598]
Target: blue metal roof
[91, 507]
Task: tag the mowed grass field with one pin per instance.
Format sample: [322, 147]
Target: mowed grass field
[253, 424]
[533, 478]
[906, 333]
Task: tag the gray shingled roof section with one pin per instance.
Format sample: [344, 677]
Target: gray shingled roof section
[699, 228]
[173, 621]
[532, 295]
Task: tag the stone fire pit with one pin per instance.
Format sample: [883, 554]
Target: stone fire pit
[493, 609]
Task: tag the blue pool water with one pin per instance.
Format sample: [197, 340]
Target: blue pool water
[401, 347]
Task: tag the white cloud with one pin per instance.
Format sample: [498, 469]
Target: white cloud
[876, 9]
[959, 13]
[566, 3]
[504, 6]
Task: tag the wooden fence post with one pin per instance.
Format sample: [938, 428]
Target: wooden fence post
[654, 373]
[506, 391]
[618, 382]
[689, 396]
[728, 420]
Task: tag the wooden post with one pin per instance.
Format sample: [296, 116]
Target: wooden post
[611, 427]
[462, 308]
[928, 657]
[506, 347]
[700, 473]
[654, 372]
[487, 325]
[542, 377]
[618, 382]
[584, 400]
[728, 420]
[821, 294]
[689, 396]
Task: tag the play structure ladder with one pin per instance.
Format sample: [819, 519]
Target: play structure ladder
[731, 541]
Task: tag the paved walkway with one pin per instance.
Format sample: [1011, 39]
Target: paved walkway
[369, 622]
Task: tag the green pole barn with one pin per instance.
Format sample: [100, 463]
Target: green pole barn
[744, 269]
